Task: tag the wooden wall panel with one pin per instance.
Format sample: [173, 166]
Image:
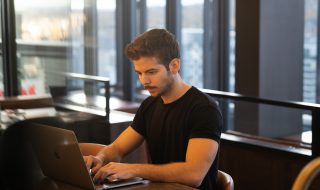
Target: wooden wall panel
[258, 167]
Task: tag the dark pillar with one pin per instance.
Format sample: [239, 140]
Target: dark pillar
[269, 64]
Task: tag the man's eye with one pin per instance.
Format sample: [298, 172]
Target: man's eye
[152, 72]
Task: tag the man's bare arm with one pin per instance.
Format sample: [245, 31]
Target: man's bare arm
[200, 155]
[127, 141]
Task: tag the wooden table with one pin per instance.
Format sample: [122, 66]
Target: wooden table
[8, 117]
[49, 184]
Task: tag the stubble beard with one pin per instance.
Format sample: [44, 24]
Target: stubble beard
[168, 86]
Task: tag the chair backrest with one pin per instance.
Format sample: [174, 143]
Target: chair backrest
[307, 175]
[224, 181]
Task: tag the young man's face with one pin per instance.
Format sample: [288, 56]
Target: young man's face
[153, 76]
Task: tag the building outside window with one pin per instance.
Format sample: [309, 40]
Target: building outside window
[67, 36]
[43, 35]
[106, 39]
[232, 44]
[192, 41]
[310, 51]
[156, 14]
[310, 47]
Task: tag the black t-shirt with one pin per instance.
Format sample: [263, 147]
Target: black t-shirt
[167, 128]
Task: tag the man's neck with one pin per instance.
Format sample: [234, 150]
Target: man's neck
[177, 91]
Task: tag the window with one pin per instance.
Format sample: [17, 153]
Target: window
[310, 51]
[45, 35]
[269, 64]
[1, 63]
[232, 44]
[106, 39]
[156, 13]
[67, 36]
[192, 42]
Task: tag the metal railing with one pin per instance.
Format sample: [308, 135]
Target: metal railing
[91, 78]
[314, 108]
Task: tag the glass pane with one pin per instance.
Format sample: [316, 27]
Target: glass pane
[1, 62]
[107, 39]
[156, 14]
[44, 42]
[192, 42]
[310, 51]
[268, 122]
[64, 35]
[232, 44]
[1, 76]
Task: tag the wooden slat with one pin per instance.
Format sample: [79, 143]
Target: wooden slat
[25, 102]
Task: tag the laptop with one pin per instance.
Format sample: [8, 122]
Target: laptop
[59, 157]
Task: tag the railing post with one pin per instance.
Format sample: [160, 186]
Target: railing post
[315, 144]
[107, 96]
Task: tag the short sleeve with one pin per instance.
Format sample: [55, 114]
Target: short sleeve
[138, 123]
[206, 123]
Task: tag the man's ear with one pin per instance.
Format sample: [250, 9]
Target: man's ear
[174, 65]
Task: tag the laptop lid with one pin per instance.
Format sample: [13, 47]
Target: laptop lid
[59, 155]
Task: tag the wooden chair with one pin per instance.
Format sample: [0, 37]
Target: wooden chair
[307, 175]
[224, 181]
[90, 148]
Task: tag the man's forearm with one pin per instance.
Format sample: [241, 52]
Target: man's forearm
[109, 154]
[180, 172]
[127, 141]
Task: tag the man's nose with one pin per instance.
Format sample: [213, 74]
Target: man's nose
[144, 79]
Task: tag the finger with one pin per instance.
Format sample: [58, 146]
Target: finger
[113, 178]
[97, 175]
[96, 168]
[96, 178]
[88, 160]
[100, 176]
[105, 174]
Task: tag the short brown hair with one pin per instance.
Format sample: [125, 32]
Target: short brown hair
[158, 43]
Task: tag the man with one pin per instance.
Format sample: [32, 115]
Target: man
[180, 124]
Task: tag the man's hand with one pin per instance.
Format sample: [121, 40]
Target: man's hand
[114, 171]
[93, 163]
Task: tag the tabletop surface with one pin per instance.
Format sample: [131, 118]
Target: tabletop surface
[50, 184]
